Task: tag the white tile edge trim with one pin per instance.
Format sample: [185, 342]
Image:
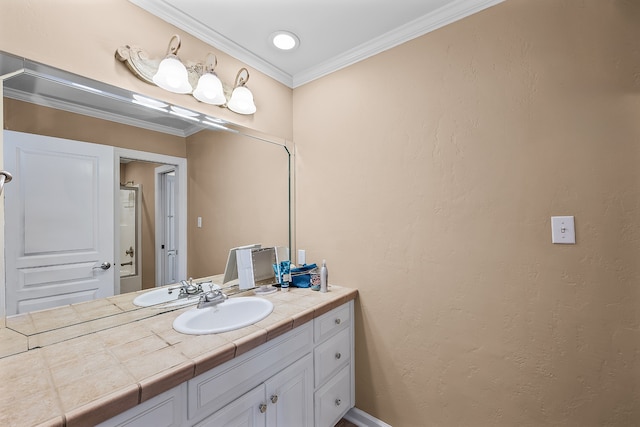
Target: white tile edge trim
[362, 419]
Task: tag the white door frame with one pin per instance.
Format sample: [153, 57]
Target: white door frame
[180, 165]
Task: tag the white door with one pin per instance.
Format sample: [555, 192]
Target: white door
[59, 222]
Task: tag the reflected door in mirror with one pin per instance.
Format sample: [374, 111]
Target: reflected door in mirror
[59, 222]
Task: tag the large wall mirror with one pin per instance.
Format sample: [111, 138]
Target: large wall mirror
[181, 189]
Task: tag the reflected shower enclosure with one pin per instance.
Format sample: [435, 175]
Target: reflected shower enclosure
[130, 279]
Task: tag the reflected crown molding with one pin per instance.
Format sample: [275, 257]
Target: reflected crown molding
[97, 113]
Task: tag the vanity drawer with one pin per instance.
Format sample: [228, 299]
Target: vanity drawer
[331, 322]
[333, 400]
[331, 355]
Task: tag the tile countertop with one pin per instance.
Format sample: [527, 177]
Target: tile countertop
[86, 380]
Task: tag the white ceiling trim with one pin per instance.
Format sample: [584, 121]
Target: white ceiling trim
[445, 15]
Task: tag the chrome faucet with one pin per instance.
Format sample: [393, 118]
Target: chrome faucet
[186, 288]
[211, 298]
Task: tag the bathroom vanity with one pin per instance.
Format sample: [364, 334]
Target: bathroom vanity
[294, 368]
[302, 378]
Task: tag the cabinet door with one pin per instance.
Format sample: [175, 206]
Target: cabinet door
[290, 395]
[249, 410]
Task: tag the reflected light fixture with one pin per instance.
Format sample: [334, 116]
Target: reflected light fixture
[209, 89]
[149, 103]
[241, 101]
[284, 40]
[184, 113]
[172, 74]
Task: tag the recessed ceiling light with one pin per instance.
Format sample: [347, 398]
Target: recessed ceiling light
[284, 40]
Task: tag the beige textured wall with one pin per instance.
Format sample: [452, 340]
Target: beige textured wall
[82, 37]
[238, 185]
[427, 175]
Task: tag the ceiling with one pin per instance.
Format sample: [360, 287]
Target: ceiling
[333, 33]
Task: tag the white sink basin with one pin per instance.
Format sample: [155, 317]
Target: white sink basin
[234, 313]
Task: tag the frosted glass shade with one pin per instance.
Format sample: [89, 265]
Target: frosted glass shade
[172, 76]
[209, 90]
[241, 101]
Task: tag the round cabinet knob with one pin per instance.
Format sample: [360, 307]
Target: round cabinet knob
[338, 402]
[338, 356]
[274, 398]
[263, 408]
[338, 321]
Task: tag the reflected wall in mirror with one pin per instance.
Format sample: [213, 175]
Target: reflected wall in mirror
[238, 185]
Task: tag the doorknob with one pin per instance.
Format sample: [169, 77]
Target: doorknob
[4, 178]
[105, 266]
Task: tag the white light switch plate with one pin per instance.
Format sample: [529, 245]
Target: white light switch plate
[563, 230]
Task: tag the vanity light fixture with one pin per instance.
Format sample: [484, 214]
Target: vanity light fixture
[181, 77]
[284, 40]
[209, 89]
[241, 101]
[172, 74]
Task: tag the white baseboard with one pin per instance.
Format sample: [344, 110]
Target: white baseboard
[362, 419]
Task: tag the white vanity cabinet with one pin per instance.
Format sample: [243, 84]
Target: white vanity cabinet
[302, 378]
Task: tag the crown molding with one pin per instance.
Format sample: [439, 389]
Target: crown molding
[452, 12]
[439, 18]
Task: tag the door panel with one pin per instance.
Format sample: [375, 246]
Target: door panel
[59, 219]
[167, 226]
[170, 229]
